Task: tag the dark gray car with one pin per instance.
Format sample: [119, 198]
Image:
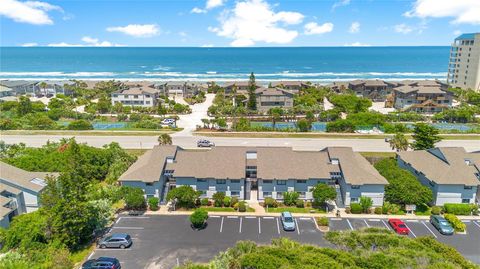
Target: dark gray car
[442, 225]
[115, 241]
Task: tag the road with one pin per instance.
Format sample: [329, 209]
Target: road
[147, 142]
[190, 121]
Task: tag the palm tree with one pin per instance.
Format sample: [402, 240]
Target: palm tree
[206, 123]
[164, 139]
[275, 114]
[43, 85]
[399, 142]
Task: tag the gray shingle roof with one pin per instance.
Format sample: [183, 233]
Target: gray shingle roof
[22, 178]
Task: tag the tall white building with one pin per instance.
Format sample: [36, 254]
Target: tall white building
[464, 65]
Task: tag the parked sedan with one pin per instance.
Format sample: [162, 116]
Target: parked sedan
[441, 224]
[398, 226]
[102, 263]
[116, 241]
[203, 143]
[287, 221]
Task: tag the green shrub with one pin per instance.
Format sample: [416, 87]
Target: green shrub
[80, 125]
[457, 224]
[389, 208]
[218, 198]
[153, 203]
[234, 201]
[458, 209]
[356, 208]
[322, 221]
[198, 217]
[290, 197]
[227, 201]
[185, 195]
[270, 202]
[134, 199]
[299, 203]
[242, 206]
[436, 210]
[378, 210]
[205, 202]
[366, 203]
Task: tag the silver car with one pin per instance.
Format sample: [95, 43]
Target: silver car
[203, 143]
[116, 241]
[287, 221]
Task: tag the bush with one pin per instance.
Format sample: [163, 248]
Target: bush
[153, 203]
[378, 210]
[270, 202]
[198, 217]
[322, 221]
[80, 125]
[457, 224]
[218, 198]
[242, 206]
[366, 203]
[458, 209]
[185, 195]
[227, 201]
[356, 208]
[205, 202]
[299, 203]
[348, 210]
[436, 210]
[290, 197]
[134, 199]
[234, 201]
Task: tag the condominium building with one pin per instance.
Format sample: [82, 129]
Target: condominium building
[423, 96]
[136, 96]
[273, 97]
[254, 173]
[464, 64]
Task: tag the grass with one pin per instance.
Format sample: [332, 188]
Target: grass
[293, 209]
[80, 255]
[136, 152]
[224, 209]
[89, 132]
[378, 154]
[423, 210]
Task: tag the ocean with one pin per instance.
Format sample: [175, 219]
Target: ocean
[316, 64]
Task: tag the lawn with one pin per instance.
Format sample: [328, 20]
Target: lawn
[81, 255]
[89, 132]
[293, 209]
[224, 209]
[378, 154]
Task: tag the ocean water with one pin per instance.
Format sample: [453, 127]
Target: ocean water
[317, 64]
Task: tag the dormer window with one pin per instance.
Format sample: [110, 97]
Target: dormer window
[251, 155]
[170, 159]
[468, 162]
[335, 161]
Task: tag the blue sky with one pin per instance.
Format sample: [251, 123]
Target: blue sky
[224, 23]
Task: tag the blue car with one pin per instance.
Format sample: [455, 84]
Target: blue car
[287, 221]
[102, 263]
[442, 225]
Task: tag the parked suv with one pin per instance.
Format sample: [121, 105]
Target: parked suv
[205, 143]
[116, 241]
[102, 263]
[287, 221]
[442, 225]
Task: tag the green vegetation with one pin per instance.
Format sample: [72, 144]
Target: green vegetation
[153, 203]
[290, 197]
[322, 221]
[294, 209]
[366, 203]
[459, 209]
[164, 139]
[370, 248]
[425, 136]
[322, 193]
[199, 217]
[185, 196]
[403, 187]
[252, 100]
[457, 224]
[196, 99]
[399, 142]
[350, 103]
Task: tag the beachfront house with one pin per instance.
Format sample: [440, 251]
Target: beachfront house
[50, 88]
[452, 174]
[139, 95]
[268, 98]
[254, 173]
[292, 86]
[427, 96]
[19, 191]
[241, 87]
[20, 87]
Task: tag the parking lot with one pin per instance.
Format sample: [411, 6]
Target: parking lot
[165, 241]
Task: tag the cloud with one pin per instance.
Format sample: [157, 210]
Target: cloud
[197, 10]
[312, 28]
[252, 21]
[30, 44]
[137, 30]
[32, 12]
[354, 27]
[210, 4]
[457, 32]
[88, 42]
[182, 34]
[357, 44]
[340, 3]
[463, 11]
[207, 46]
[403, 28]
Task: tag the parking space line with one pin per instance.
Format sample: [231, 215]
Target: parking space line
[410, 230]
[267, 217]
[118, 220]
[278, 227]
[466, 221]
[259, 226]
[374, 220]
[221, 225]
[217, 217]
[336, 218]
[368, 225]
[298, 227]
[411, 220]
[250, 217]
[232, 217]
[240, 228]
[349, 224]
[129, 228]
[424, 224]
[384, 223]
[476, 223]
[91, 255]
[305, 218]
[134, 217]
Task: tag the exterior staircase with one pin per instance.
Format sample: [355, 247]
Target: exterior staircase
[339, 199]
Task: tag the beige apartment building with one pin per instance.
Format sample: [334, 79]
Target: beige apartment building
[273, 97]
[464, 64]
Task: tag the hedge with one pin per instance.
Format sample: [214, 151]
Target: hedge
[356, 208]
[457, 224]
[458, 209]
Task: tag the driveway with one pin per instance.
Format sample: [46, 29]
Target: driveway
[189, 122]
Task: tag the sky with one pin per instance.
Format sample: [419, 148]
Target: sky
[241, 23]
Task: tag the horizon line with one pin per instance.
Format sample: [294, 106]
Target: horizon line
[226, 47]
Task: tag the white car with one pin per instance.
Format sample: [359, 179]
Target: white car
[168, 121]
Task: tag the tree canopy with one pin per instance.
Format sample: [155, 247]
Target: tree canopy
[425, 136]
[322, 193]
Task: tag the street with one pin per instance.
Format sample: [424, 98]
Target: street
[167, 241]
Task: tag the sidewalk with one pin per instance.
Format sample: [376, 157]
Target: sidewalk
[163, 211]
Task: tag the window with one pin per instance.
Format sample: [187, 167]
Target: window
[267, 194]
[267, 181]
[149, 183]
[235, 194]
[281, 182]
[301, 194]
[234, 180]
[169, 172]
[169, 159]
[467, 187]
[252, 155]
[465, 201]
[135, 96]
[355, 187]
[353, 200]
[203, 193]
[279, 195]
[301, 181]
[201, 180]
[221, 181]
